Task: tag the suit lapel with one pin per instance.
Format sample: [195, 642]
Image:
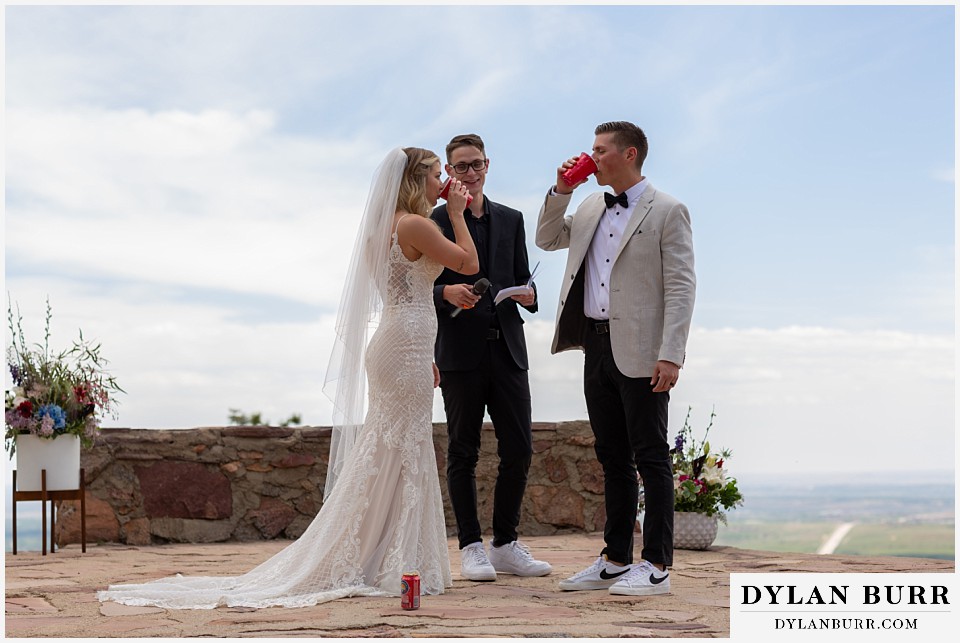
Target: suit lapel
[644, 205]
[494, 227]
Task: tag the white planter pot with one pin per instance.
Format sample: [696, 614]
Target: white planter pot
[693, 530]
[59, 456]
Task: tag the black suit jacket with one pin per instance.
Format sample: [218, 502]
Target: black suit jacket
[462, 339]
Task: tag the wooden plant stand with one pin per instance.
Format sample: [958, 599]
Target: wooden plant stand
[43, 496]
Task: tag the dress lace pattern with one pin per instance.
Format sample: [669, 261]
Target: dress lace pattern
[384, 517]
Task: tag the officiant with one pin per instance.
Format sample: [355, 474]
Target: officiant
[481, 353]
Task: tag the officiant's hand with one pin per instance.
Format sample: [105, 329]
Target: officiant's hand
[526, 300]
[436, 376]
[460, 295]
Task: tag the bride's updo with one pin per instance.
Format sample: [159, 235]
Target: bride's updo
[412, 197]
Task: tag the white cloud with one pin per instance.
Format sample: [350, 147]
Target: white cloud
[795, 399]
[210, 200]
[947, 175]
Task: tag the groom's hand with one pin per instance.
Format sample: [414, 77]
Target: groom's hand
[562, 187]
[665, 376]
[436, 376]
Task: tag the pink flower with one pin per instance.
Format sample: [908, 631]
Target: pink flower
[46, 426]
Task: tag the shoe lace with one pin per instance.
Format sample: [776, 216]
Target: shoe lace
[522, 550]
[477, 556]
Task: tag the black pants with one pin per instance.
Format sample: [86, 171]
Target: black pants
[504, 390]
[629, 422]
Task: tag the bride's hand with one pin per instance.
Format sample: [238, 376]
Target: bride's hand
[436, 376]
[457, 197]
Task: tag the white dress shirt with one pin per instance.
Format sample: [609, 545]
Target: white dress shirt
[603, 249]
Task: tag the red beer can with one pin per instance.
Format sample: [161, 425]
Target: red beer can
[410, 591]
[445, 191]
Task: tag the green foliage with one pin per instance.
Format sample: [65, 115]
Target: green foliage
[700, 481]
[238, 417]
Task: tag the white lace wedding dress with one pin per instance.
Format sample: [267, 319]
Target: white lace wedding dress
[384, 516]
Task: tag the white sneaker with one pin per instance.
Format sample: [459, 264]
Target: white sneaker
[600, 575]
[474, 564]
[642, 580]
[515, 558]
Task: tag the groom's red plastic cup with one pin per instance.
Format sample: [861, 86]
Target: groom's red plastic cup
[445, 191]
[584, 167]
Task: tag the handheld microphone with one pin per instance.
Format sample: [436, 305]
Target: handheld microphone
[478, 289]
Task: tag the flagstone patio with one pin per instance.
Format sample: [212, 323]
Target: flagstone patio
[55, 595]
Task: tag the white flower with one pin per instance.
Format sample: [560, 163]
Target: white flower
[712, 474]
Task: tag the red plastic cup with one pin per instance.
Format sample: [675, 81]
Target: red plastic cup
[445, 191]
[584, 167]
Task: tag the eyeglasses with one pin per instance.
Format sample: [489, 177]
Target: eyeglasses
[478, 166]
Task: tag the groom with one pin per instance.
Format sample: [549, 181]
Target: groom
[482, 357]
[626, 301]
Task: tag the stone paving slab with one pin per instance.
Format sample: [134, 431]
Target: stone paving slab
[54, 596]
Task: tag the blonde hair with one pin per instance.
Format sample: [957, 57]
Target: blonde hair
[412, 196]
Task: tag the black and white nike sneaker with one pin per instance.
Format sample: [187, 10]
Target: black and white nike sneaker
[643, 579]
[600, 575]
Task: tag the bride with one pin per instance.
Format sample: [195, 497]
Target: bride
[382, 513]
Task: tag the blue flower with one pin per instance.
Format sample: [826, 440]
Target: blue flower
[56, 414]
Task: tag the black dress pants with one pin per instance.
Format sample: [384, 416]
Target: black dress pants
[629, 422]
[503, 389]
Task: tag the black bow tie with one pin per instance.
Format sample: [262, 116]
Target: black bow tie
[614, 200]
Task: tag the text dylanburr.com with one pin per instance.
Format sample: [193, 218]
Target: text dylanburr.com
[907, 607]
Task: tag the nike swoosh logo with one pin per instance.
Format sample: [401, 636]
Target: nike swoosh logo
[656, 581]
[605, 576]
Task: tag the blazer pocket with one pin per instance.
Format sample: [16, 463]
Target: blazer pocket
[644, 233]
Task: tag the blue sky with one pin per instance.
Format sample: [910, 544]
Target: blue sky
[185, 183]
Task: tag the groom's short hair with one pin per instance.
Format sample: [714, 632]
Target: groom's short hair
[624, 135]
[463, 140]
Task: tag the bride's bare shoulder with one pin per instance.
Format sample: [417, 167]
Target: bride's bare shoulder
[416, 224]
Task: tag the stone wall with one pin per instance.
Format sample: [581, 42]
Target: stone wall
[254, 482]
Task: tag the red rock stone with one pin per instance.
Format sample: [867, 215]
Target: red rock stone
[582, 440]
[102, 524]
[599, 518]
[178, 489]
[256, 432]
[557, 506]
[539, 446]
[295, 460]
[272, 516]
[306, 505]
[262, 468]
[250, 455]
[591, 476]
[556, 469]
[137, 532]
[200, 448]
[230, 467]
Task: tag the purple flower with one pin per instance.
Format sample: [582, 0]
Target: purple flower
[678, 444]
[16, 421]
[46, 426]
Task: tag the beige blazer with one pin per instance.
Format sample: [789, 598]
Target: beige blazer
[652, 284]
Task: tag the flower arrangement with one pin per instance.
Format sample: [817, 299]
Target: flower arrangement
[701, 484]
[53, 395]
